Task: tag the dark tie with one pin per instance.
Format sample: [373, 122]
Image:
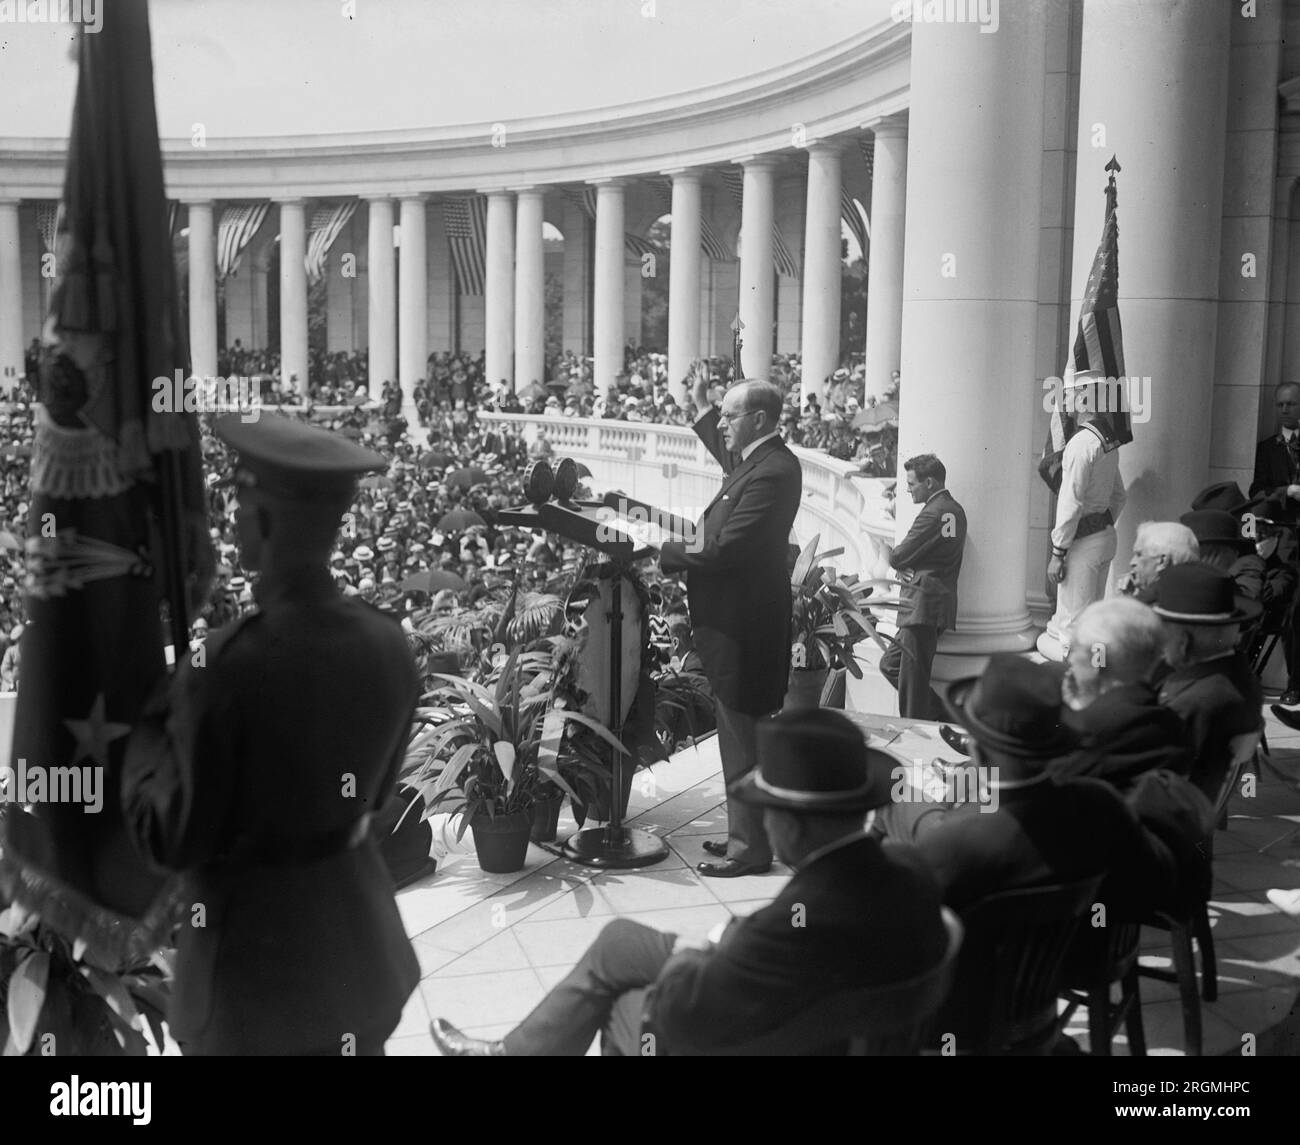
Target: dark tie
[1293, 455]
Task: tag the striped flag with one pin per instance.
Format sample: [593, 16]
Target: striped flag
[637, 246]
[465, 220]
[327, 224]
[1098, 346]
[853, 219]
[710, 243]
[235, 231]
[584, 197]
[867, 145]
[782, 257]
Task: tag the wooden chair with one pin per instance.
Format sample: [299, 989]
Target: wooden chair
[1196, 925]
[1004, 999]
[1095, 962]
[878, 1021]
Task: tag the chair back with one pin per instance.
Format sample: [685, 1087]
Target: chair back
[1241, 750]
[874, 1021]
[1004, 998]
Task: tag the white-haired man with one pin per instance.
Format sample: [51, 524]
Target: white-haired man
[1159, 545]
[1091, 498]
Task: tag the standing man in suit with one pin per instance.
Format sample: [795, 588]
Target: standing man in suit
[1277, 478]
[738, 590]
[928, 561]
[871, 918]
[258, 777]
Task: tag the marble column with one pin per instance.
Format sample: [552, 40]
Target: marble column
[412, 301]
[577, 279]
[1156, 77]
[203, 291]
[608, 288]
[757, 287]
[381, 273]
[530, 290]
[884, 329]
[11, 297]
[820, 341]
[970, 304]
[293, 296]
[684, 282]
[499, 288]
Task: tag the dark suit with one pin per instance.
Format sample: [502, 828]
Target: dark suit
[1124, 733]
[931, 556]
[1218, 700]
[1274, 471]
[870, 917]
[256, 786]
[738, 590]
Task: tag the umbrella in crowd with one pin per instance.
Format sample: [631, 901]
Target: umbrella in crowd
[376, 481]
[466, 478]
[458, 520]
[581, 470]
[436, 460]
[9, 541]
[434, 580]
[531, 391]
[886, 413]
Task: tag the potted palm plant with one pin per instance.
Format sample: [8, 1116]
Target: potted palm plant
[490, 748]
[830, 618]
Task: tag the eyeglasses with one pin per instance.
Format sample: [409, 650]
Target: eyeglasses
[737, 416]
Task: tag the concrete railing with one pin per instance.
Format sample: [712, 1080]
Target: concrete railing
[669, 467]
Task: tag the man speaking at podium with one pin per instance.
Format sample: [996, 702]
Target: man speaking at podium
[738, 587]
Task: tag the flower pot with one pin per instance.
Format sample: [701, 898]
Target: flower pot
[546, 818]
[502, 843]
[805, 689]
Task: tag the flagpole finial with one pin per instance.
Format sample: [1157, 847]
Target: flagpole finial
[1113, 165]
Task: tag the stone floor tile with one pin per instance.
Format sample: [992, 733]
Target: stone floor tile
[482, 999]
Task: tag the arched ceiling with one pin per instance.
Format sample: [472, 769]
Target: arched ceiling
[249, 68]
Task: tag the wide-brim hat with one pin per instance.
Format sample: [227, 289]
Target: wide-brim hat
[1227, 497]
[1217, 527]
[816, 760]
[1014, 708]
[1197, 593]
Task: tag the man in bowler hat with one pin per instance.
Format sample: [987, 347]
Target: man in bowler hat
[258, 776]
[872, 918]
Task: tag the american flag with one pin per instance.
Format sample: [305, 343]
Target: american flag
[327, 223]
[1098, 346]
[235, 231]
[710, 244]
[465, 220]
[783, 258]
[47, 219]
[854, 219]
[585, 198]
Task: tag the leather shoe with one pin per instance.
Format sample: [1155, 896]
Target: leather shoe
[955, 739]
[1291, 719]
[1290, 698]
[732, 869]
[718, 849]
[452, 1043]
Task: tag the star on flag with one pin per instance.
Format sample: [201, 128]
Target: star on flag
[95, 733]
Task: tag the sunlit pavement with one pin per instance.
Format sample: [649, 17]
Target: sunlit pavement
[491, 945]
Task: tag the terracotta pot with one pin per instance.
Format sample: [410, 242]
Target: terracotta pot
[805, 690]
[502, 843]
[546, 818]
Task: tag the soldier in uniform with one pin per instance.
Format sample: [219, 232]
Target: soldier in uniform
[259, 774]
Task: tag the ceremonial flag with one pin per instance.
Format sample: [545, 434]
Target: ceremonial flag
[464, 217]
[782, 257]
[710, 243]
[853, 219]
[1098, 346]
[327, 223]
[117, 524]
[236, 230]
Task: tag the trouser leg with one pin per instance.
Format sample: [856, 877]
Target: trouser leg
[625, 956]
[916, 700]
[746, 838]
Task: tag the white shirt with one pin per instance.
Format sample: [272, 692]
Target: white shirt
[1090, 483]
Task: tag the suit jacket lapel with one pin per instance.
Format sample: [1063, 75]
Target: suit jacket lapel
[743, 468]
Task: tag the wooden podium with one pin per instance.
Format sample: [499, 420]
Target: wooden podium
[618, 533]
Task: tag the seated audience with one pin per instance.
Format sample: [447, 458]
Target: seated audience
[1222, 546]
[872, 917]
[1159, 545]
[1210, 684]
